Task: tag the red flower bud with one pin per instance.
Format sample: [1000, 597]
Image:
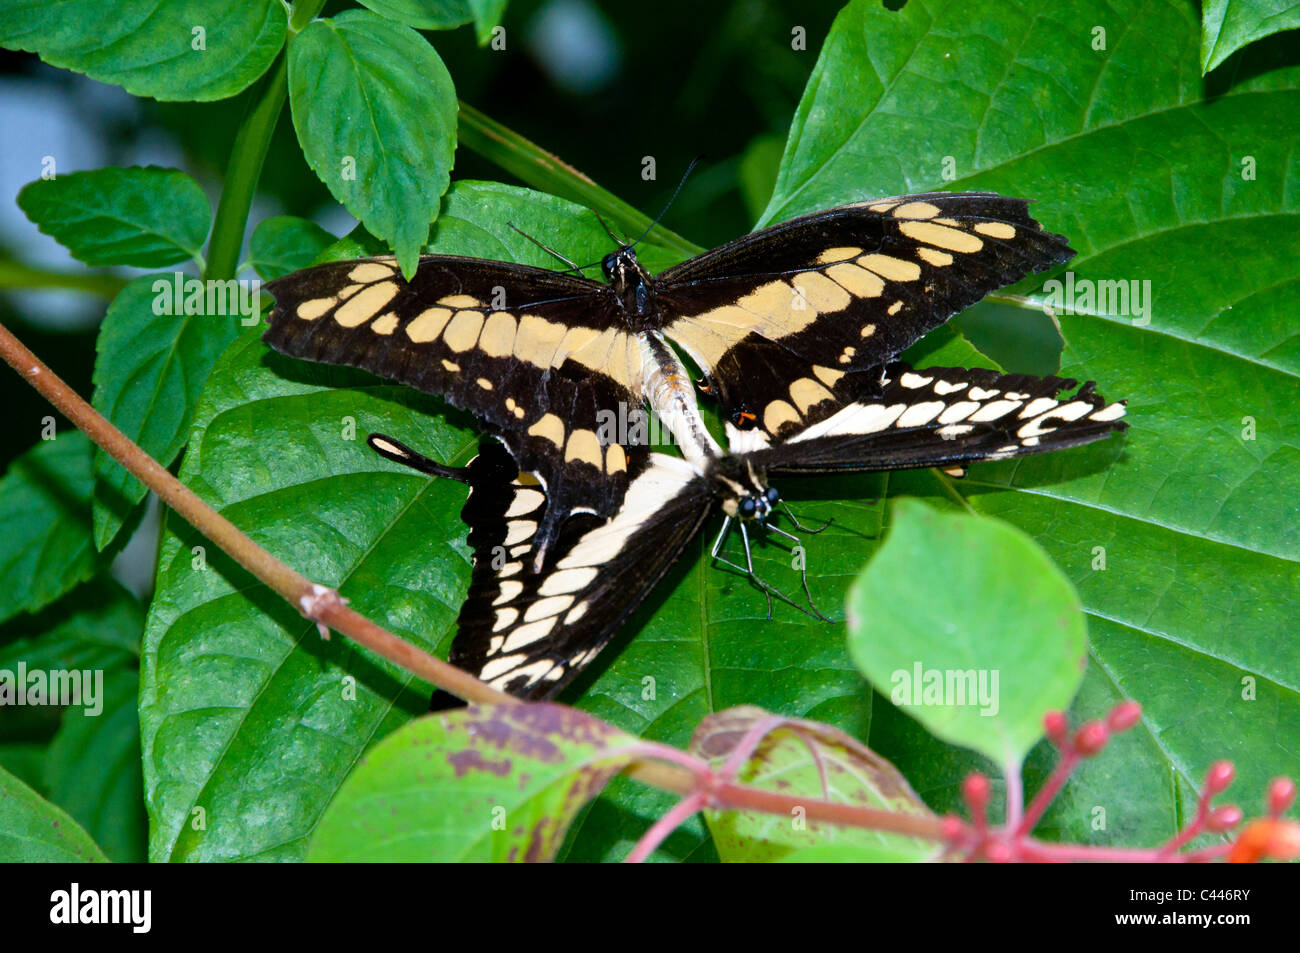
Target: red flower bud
[1090, 738]
[1281, 795]
[1223, 818]
[1123, 716]
[1056, 726]
[1219, 777]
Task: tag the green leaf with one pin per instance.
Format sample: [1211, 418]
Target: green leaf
[1228, 25]
[493, 782]
[1180, 536]
[190, 50]
[423, 14]
[32, 830]
[965, 623]
[286, 243]
[96, 626]
[159, 340]
[45, 544]
[147, 217]
[803, 758]
[93, 767]
[487, 17]
[375, 112]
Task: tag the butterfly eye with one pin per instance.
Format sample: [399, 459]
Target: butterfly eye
[747, 506]
[772, 495]
[607, 265]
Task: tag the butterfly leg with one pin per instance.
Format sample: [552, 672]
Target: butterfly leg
[799, 526]
[803, 570]
[748, 568]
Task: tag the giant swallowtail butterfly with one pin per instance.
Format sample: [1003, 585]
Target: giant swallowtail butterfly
[796, 329]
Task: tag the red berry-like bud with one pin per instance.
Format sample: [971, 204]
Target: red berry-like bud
[1223, 818]
[1090, 738]
[1056, 725]
[976, 789]
[1123, 716]
[1281, 795]
[1219, 777]
[953, 828]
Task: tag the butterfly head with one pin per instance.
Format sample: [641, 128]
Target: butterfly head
[744, 491]
[630, 281]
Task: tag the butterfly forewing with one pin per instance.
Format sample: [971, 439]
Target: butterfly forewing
[784, 321]
[535, 354]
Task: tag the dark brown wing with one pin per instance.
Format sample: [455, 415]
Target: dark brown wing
[792, 322]
[537, 355]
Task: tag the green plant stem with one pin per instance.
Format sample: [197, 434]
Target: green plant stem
[245, 168]
[544, 171]
[14, 274]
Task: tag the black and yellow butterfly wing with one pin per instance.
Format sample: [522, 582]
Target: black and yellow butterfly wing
[528, 633]
[537, 355]
[946, 417]
[792, 322]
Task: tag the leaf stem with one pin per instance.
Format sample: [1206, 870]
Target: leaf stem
[252, 140]
[547, 172]
[14, 274]
[305, 595]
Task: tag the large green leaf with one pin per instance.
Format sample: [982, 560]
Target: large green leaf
[147, 217]
[157, 344]
[32, 830]
[168, 49]
[1192, 514]
[375, 111]
[1228, 25]
[45, 544]
[494, 782]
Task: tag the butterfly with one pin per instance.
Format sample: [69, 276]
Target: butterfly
[787, 324]
[796, 329]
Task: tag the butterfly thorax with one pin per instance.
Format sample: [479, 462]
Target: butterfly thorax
[633, 286]
[743, 488]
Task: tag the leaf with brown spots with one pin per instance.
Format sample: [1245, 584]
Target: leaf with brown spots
[485, 783]
[798, 757]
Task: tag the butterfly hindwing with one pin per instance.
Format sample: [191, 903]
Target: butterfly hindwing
[535, 354]
[529, 634]
[784, 321]
[947, 417]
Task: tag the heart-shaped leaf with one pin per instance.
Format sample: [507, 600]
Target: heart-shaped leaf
[981, 658]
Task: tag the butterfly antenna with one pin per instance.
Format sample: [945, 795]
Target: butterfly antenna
[621, 242]
[689, 169]
[544, 248]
